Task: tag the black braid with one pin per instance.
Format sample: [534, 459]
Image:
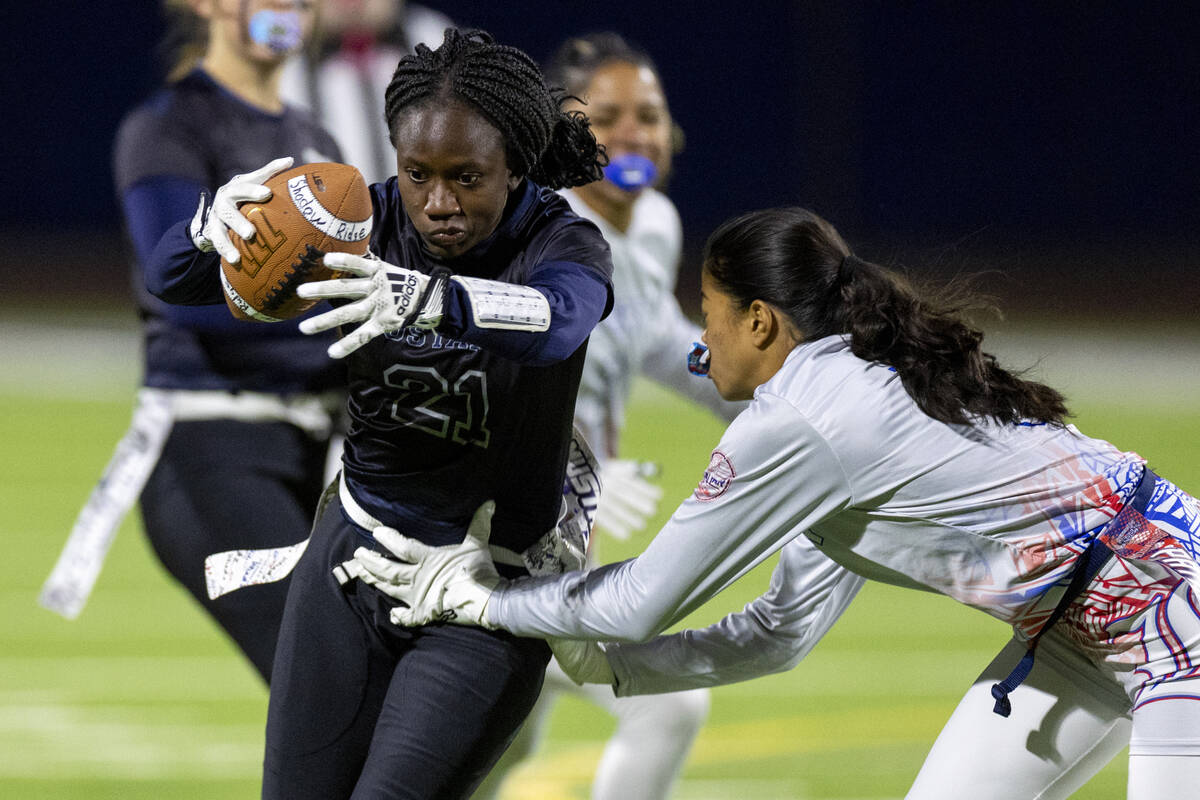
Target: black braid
[553, 147]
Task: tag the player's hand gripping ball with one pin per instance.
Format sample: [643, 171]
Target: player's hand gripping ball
[312, 210]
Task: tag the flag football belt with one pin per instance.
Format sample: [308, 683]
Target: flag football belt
[70, 583]
[310, 412]
[1086, 568]
[360, 517]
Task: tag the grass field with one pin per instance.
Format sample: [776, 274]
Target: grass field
[141, 697]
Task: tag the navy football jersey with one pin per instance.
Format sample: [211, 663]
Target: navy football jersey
[195, 135]
[440, 421]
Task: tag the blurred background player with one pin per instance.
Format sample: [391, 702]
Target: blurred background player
[252, 405]
[646, 334]
[341, 77]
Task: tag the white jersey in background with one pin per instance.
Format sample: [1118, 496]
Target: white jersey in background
[345, 91]
[834, 447]
[646, 333]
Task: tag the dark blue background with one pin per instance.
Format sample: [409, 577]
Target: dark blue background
[1044, 139]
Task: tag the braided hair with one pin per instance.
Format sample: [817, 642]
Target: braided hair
[797, 262]
[552, 147]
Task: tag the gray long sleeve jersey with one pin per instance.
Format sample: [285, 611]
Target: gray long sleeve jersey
[808, 593]
[834, 449]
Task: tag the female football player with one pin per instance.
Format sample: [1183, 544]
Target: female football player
[881, 432]
[252, 406]
[464, 336]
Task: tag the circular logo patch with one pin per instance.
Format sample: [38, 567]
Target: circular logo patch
[716, 478]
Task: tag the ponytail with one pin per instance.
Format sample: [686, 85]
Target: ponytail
[572, 158]
[797, 262]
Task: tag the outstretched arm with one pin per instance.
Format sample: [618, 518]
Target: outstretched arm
[771, 478]
[808, 594]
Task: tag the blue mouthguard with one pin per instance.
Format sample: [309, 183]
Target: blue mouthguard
[278, 30]
[631, 172]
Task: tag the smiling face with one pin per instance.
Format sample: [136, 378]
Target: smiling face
[629, 116]
[452, 174]
[282, 26]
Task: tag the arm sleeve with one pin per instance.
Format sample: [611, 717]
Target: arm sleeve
[180, 274]
[158, 211]
[771, 477]
[160, 171]
[808, 594]
[578, 297]
[666, 361]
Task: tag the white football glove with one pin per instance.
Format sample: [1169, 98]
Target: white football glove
[627, 500]
[438, 584]
[453, 584]
[212, 221]
[386, 298]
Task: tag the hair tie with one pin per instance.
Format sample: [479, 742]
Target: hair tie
[848, 267]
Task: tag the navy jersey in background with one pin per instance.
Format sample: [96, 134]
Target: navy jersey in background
[253, 407]
[193, 136]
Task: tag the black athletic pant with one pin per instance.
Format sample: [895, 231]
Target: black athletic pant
[362, 708]
[227, 485]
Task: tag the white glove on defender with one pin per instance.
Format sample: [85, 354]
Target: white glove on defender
[628, 500]
[210, 225]
[438, 584]
[387, 298]
[453, 584]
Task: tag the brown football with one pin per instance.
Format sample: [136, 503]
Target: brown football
[313, 209]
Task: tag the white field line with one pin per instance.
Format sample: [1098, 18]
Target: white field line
[100, 356]
[566, 772]
[55, 740]
[56, 721]
[92, 359]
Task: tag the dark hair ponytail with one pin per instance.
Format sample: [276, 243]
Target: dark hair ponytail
[797, 262]
[554, 148]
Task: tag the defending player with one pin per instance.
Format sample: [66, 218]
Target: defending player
[250, 407]
[881, 432]
[465, 339]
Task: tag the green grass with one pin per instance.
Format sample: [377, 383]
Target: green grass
[142, 697]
